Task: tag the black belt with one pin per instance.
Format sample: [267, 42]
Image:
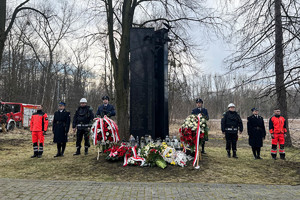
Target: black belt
[83, 125]
[231, 129]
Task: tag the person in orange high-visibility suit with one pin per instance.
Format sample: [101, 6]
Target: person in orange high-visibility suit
[277, 127]
[38, 126]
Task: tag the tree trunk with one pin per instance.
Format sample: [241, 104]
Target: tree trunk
[121, 63]
[2, 27]
[279, 69]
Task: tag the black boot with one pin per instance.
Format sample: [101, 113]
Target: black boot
[58, 150]
[41, 150]
[77, 151]
[203, 144]
[63, 147]
[282, 156]
[228, 154]
[234, 154]
[35, 150]
[86, 151]
[258, 153]
[254, 152]
[274, 156]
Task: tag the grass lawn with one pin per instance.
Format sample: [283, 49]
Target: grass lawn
[16, 149]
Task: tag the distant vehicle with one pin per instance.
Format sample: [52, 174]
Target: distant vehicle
[18, 114]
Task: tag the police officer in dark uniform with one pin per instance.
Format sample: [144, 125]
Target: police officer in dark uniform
[106, 109]
[231, 123]
[82, 122]
[256, 131]
[204, 113]
[60, 127]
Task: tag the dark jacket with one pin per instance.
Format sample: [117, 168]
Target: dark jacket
[203, 112]
[256, 130]
[108, 110]
[231, 122]
[83, 117]
[61, 126]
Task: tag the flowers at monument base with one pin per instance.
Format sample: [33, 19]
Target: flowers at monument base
[173, 157]
[104, 131]
[152, 154]
[192, 134]
[117, 152]
[155, 159]
[188, 130]
[134, 159]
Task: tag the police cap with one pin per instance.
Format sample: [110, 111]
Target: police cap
[105, 97]
[253, 109]
[62, 103]
[199, 100]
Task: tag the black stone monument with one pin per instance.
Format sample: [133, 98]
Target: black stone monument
[149, 82]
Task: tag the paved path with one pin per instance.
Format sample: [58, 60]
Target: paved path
[35, 189]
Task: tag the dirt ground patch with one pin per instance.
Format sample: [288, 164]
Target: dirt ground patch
[16, 149]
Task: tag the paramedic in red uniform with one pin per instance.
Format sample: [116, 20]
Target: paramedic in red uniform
[277, 127]
[38, 126]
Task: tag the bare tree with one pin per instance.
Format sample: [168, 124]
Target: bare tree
[267, 44]
[122, 15]
[5, 31]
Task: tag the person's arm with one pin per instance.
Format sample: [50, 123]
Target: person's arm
[68, 121]
[223, 121]
[207, 116]
[194, 112]
[91, 114]
[113, 111]
[271, 128]
[46, 122]
[31, 123]
[284, 127]
[74, 120]
[98, 112]
[263, 128]
[248, 125]
[241, 127]
[53, 123]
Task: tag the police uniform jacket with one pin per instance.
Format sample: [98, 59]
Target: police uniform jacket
[107, 110]
[201, 111]
[231, 122]
[83, 117]
[61, 126]
[256, 130]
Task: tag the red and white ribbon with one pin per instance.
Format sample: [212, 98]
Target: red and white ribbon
[116, 130]
[106, 119]
[197, 141]
[96, 131]
[135, 158]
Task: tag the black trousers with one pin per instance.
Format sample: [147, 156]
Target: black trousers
[79, 135]
[61, 147]
[231, 140]
[256, 151]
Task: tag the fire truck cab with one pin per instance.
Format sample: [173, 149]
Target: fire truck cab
[18, 114]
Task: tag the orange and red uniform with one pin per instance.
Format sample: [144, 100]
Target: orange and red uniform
[277, 127]
[38, 125]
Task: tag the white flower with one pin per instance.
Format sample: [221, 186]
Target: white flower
[107, 133]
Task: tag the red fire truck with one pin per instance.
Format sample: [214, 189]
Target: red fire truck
[18, 114]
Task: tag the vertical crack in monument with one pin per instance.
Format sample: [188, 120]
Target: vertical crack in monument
[149, 82]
